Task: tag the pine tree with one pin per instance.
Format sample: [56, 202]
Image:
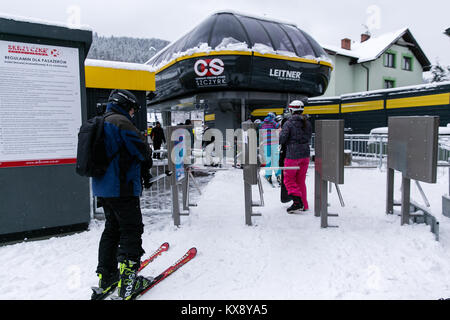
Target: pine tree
[440, 73]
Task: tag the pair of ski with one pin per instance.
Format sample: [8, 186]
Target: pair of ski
[189, 255]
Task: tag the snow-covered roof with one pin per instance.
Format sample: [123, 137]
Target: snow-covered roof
[400, 90]
[371, 49]
[340, 51]
[253, 16]
[374, 47]
[232, 31]
[417, 87]
[118, 65]
[385, 130]
[46, 22]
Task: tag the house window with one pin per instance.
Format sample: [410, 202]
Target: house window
[389, 60]
[388, 83]
[407, 63]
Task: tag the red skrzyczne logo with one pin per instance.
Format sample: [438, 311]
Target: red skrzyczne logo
[28, 50]
[209, 67]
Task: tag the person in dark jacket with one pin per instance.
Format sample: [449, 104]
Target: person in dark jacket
[118, 191]
[296, 135]
[158, 138]
[284, 196]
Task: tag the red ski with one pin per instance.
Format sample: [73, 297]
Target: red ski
[161, 249]
[181, 262]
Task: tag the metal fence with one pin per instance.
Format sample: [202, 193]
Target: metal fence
[158, 197]
[371, 149]
[364, 150]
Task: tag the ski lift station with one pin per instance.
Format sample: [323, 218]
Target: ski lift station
[232, 65]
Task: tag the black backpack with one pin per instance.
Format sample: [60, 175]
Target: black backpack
[92, 159]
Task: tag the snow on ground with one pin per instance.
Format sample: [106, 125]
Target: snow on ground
[370, 256]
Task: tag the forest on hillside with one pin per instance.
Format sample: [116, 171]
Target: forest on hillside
[125, 49]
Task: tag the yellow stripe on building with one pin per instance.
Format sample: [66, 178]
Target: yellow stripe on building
[296, 59]
[112, 78]
[210, 117]
[243, 53]
[265, 112]
[422, 101]
[332, 108]
[362, 106]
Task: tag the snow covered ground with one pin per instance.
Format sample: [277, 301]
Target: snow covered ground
[370, 256]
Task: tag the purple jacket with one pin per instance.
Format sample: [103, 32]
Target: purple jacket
[267, 129]
[296, 138]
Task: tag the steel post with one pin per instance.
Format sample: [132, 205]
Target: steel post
[248, 203]
[406, 199]
[390, 191]
[324, 204]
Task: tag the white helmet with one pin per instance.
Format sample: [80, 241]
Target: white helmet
[295, 106]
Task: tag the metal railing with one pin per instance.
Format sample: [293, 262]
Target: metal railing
[365, 151]
[371, 149]
[158, 197]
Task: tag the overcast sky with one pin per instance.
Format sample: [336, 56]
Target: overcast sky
[326, 20]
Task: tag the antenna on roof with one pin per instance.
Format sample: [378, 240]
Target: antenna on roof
[367, 29]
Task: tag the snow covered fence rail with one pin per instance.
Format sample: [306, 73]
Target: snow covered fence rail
[365, 149]
[371, 149]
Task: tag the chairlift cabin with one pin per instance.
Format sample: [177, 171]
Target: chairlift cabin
[232, 64]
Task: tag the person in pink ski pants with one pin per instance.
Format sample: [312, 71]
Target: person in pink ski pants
[294, 180]
[296, 135]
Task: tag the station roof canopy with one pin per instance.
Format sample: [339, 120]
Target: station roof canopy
[103, 74]
[236, 32]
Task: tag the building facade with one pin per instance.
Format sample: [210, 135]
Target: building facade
[389, 61]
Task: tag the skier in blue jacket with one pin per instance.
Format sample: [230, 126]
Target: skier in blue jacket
[118, 191]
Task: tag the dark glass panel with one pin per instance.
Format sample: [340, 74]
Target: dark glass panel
[278, 36]
[255, 31]
[315, 45]
[227, 26]
[200, 34]
[302, 45]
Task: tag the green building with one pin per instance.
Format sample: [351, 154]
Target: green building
[391, 60]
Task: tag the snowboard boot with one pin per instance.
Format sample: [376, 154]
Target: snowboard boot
[106, 284]
[297, 206]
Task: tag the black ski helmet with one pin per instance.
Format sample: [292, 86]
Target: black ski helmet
[125, 99]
